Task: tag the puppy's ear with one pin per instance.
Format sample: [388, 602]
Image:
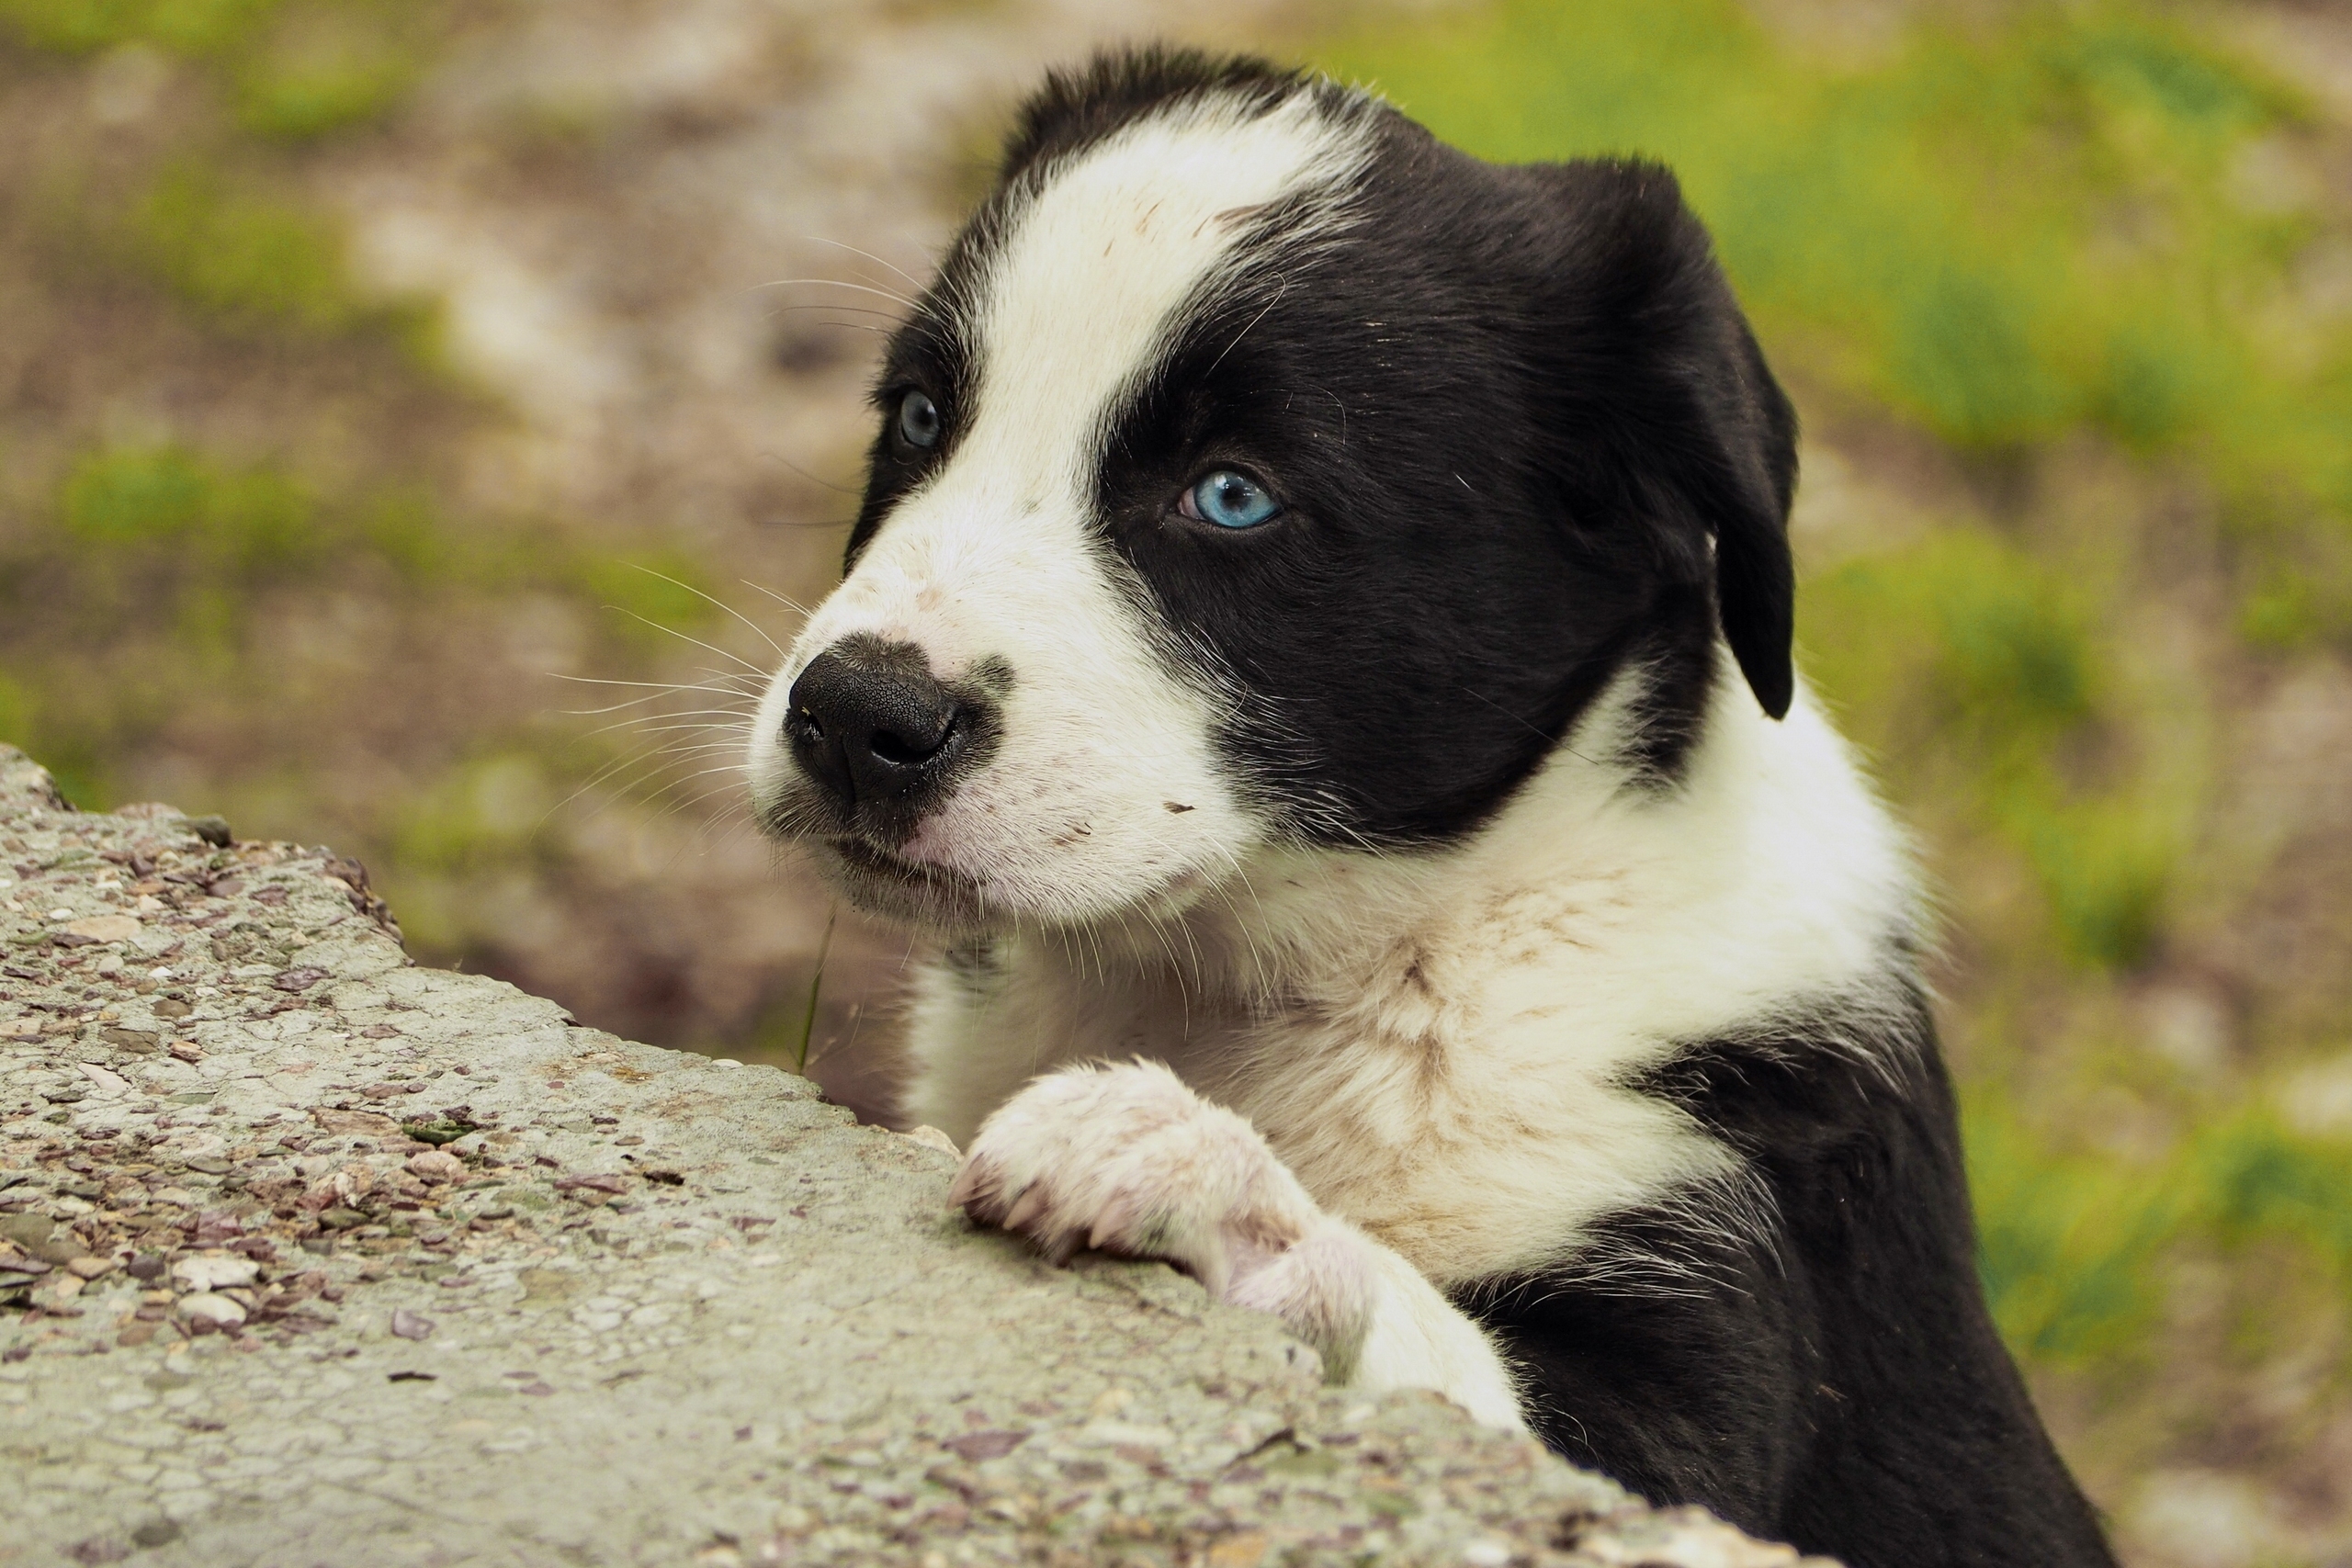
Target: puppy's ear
[1679, 422]
[1756, 581]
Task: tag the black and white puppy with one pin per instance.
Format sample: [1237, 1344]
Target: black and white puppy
[1318, 637]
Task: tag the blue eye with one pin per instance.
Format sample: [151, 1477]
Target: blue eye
[1229, 501]
[919, 421]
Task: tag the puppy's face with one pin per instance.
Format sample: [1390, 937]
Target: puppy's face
[1256, 470]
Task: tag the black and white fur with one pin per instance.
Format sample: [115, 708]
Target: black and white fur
[1438, 916]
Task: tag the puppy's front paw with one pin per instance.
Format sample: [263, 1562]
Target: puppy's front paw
[1127, 1159]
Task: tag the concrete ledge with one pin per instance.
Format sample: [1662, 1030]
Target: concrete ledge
[313, 1256]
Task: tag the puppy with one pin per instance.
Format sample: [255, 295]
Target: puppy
[1315, 653]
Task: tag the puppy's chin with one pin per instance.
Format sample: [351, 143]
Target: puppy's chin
[953, 904]
[907, 892]
[1013, 888]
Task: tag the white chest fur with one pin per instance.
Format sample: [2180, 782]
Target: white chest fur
[1436, 1043]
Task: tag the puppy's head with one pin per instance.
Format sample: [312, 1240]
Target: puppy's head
[1258, 469]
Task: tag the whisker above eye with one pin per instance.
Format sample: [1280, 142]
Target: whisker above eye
[839, 283]
[869, 256]
[812, 479]
[775, 310]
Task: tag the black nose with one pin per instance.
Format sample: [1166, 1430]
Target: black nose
[869, 722]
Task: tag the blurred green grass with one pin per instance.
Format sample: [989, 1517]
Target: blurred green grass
[242, 259]
[2071, 1243]
[2026, 232]
[295, 69]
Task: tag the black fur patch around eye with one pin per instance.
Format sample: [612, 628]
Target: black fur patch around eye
[1505, 412]
[932, 353]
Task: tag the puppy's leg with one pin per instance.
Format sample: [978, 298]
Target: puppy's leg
[1129, 1160]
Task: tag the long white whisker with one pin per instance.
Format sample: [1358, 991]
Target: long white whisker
[869, 256]
[850, 310]
[706, 773]
[789, 603]
[710, 718]
[659, 687]
[596, 779]
[682, 637]
[657, 697]
[657, 722]
[837, 283]
[720, 604]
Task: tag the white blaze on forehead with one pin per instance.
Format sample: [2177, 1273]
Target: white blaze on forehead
[1106, 787]
[1082, 294]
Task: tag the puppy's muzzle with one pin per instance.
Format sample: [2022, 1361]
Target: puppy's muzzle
[878, 733]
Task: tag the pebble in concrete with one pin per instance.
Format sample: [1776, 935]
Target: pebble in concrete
[307, 1255]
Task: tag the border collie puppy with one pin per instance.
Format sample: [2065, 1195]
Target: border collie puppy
[1316, 655]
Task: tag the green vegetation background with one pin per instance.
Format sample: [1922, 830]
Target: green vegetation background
[2036, 250]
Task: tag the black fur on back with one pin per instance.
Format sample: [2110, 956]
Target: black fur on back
[1810, 1355]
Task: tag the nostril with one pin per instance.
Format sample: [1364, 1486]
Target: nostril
[903, 750]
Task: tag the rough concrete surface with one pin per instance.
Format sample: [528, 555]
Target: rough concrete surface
[314, 1257]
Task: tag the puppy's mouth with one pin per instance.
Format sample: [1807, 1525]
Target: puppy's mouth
[890, 884]
[874, 860]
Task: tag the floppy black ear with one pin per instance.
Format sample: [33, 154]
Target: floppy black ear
[1656, 367]
[1756, 580]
